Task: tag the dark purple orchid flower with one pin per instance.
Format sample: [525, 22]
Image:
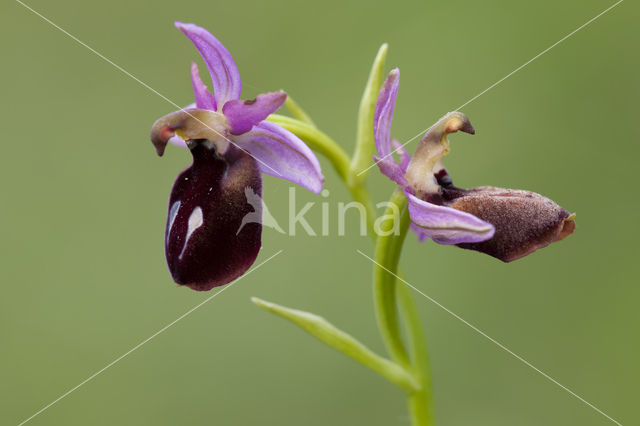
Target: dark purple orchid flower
[504, 223]
[207, 244]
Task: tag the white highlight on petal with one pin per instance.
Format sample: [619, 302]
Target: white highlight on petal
[195, 222]
[173, 212]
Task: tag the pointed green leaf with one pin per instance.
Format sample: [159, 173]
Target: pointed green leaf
[343, 342]
[365, 144]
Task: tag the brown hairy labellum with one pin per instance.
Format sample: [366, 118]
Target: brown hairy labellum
[524, 221]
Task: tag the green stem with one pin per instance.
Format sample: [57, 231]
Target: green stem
[323, 144]
[388, 249]
[420, 402]
[387, 256]
[361, 195]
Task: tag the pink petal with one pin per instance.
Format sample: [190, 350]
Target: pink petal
[405, 158]
[204, 98]
[445, 225]
[224, 73]
[282, 154]
[383, 114]
[243, 115]
[392, 170]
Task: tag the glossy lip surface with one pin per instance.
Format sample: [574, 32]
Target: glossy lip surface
[206, 208]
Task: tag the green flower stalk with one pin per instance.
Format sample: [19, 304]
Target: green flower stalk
[507, 224]
[388, 293]
[388, 296]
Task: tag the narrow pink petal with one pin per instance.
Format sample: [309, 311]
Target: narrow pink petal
[383, 114]
[204, 98]
[405, 158]
[445, 225]
[243, 115]
[392, 170]
[282, 154]
[224, 73]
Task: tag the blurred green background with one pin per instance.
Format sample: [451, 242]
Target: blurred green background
[84, 204]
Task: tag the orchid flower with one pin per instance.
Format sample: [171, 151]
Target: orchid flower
[504, 223]
[206, 242]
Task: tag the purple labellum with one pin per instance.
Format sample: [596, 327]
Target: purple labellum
[206, 211]
[215, 209]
